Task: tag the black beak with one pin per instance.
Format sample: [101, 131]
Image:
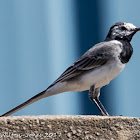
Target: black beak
[137, 29]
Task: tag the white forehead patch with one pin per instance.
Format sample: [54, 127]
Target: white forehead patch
[129, 26]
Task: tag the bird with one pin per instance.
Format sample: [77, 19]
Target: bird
[94, 69]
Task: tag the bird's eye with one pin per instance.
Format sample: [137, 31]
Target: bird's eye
[123, 28]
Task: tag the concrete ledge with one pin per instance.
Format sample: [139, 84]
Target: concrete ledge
[69, 127]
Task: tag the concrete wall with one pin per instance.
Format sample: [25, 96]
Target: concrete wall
[69, 127]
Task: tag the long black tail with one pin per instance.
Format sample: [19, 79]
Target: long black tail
[28, 102]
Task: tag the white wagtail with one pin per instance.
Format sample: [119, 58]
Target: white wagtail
[94, 69]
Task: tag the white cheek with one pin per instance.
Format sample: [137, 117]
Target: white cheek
[116, 32]
[113, 33]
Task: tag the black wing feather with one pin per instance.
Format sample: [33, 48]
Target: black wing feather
[79, 67]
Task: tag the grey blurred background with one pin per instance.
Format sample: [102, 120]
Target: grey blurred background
[39, 39]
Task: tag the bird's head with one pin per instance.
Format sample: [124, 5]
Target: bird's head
[122, 31]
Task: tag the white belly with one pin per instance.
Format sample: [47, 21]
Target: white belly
[99, 76]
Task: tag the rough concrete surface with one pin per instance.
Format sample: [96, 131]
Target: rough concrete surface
[63, 127]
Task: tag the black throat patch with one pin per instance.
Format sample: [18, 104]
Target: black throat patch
[126, 53]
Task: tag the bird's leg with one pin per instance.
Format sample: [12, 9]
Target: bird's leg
[94, 97]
